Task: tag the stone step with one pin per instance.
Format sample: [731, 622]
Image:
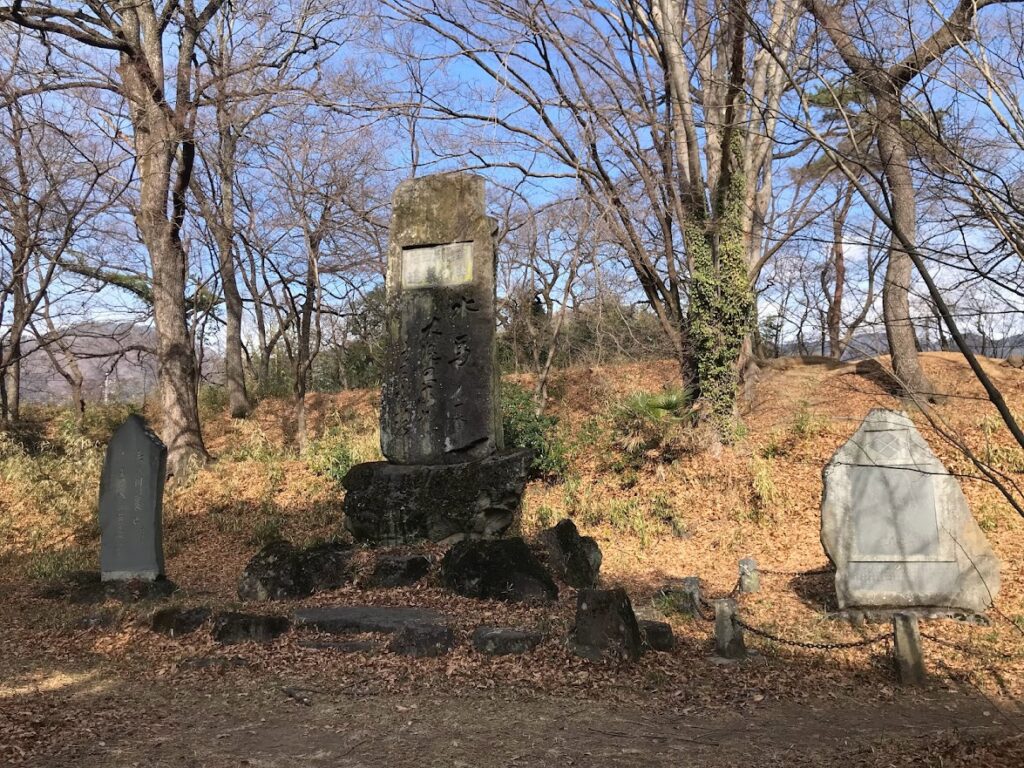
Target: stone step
[351, 619]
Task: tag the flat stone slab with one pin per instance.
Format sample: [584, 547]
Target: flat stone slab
[353, 619]
[502, 641]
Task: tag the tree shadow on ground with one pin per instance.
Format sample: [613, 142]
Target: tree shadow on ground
[879, 375]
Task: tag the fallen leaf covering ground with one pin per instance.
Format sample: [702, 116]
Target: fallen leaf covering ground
[90, 684]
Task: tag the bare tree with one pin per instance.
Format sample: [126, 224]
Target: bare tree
[154, 47]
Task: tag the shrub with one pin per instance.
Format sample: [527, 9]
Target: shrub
[524, 428]
[331, 454]
[649, 421]
[213, 400]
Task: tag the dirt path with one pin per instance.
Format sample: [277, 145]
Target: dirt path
[266, 727]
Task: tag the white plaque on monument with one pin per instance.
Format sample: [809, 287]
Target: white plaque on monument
[437, 266]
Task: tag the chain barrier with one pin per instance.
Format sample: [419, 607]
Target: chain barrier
[965, 649]
[834, 646]
[818, 572]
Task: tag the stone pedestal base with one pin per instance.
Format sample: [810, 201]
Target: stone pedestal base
[401, 503]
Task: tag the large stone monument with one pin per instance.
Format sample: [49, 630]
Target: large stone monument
[446, 472]
[131, 499]
[897, 525]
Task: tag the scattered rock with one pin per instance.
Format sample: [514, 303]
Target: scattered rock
[656, 635]
[503, 569]
[399, 571]
[279, 570]
[403, 503]
[235, 627]
[178, 621]
[271, 574]
[605, 626]
[681, 597]
[575, 559]
[354, 619]
[423, 640]
[1015, 360]
[500, 641]
[324, 567]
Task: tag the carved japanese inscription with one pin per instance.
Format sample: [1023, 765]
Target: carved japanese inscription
[440, 395]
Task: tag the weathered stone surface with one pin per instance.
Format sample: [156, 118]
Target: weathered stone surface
[324, 567]
[398, 571]
[353, 619]
[398, 504]
[897, 525]
[271, 574]
[279, 571]
[1015, 360]
[131, 500]
[575, 559]
[750, 577]
[605, 626]
[906, 650]
[422, 640]
[729, 642]
[236, 627]
[656, 635]
[502, 569]
[178, 621]
[440, 394]
[501, 641]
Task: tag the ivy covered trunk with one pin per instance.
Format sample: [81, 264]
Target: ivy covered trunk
[721, 310]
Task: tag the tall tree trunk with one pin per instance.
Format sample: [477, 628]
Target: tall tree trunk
[234, 367]
[156, 142]
[899, 328]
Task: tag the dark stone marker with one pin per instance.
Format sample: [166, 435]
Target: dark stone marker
[503, 569]
[440, 394]
[131, 499]
[606, 626]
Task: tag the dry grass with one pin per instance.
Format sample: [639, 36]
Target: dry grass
[656, 520]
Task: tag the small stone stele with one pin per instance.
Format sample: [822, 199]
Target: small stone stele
[897, 525]
[606, 626]
[502, 569]
[907, 653]
[130, 504]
